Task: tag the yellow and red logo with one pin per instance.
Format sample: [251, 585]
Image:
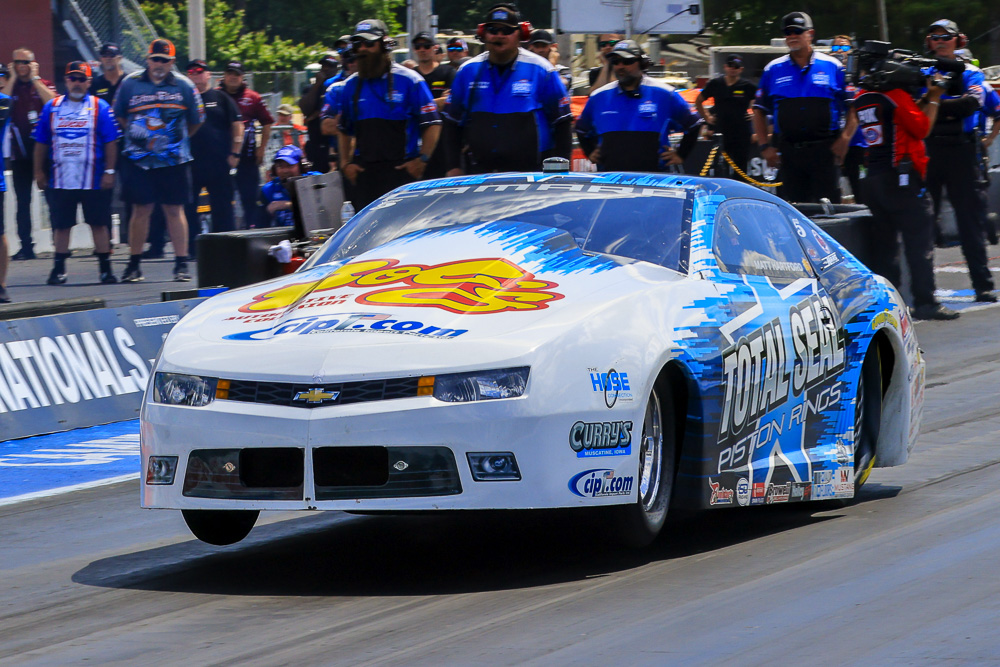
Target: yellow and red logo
[470, 286]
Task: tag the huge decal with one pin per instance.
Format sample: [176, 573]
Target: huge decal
[467, 287]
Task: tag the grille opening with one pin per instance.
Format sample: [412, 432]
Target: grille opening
[272, 467]
[351, 466]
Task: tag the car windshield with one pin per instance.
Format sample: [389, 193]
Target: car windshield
[634, 222]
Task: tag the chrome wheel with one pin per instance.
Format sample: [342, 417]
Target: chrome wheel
[650, 454]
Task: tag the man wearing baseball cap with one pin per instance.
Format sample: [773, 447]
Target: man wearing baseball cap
[457, 51]
[540, 43]
[731, 97]
[317, 146]
[77, 135]
[804, 91]
[254, 113]
[159, 112]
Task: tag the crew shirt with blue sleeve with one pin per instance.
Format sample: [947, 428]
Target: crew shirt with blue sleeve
[507, 115]
[387, 114]
[157, 117]
[632, 127]
[76, 133]
[807, 103]
[6, 101]
[275, 190]
[961, 105]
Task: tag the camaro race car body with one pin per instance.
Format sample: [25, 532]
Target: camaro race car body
[525, 341]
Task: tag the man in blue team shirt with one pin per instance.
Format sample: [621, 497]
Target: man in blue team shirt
[275, 200]
[804, 93]
[951, 148]
[507, 109]
[5, 102]
[383, 108]
[625, 125]
[77, 136]
[159, 112]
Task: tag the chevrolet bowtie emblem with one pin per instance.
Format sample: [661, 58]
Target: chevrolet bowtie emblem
[316, 395]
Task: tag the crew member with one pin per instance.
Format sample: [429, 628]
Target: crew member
[159, 112]
[600, 76]
[894, 128]
[540, 43]
[507, 110]
[625, 125]
[457, 51]
[77, 135]
[732, 96]
[438, 78]
[382, 109]
[951, 148]
[804, 92]
[252, 110]
[275, 200]
[311, 103]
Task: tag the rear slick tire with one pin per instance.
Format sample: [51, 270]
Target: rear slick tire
[220, 527]
[867, 417]
[637, 525]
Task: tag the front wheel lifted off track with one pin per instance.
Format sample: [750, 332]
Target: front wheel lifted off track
[638, 524]
[220, 527]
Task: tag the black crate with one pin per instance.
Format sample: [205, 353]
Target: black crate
[238, 258]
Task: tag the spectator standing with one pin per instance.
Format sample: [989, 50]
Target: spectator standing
[317, 148]
[438, 78]
[951, 148]
[214, 155]
[894, 188]
[602, 75]
[625, 126]
[275, 200]
[104, 86]
[159, 112]
[457, 51]
[252, 110]
[389, 124]
[804, 92]
[732, 96]
[77, 137]
[508, 109]
[29, 93]
[540, 43]
[291, 132]
[5, 105]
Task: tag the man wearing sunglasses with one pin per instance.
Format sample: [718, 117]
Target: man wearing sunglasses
[951, 149]
[159, 112]
[602, 75]
[29, 93]
[804, 92]
[508, 110]
[77, 138]
[457, 52]
[731, 96]
[626, 126]
[389, 123]
[438, 78]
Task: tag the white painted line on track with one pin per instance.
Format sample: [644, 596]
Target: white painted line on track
[48, 493]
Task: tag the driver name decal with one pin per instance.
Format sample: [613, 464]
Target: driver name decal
[472, 286]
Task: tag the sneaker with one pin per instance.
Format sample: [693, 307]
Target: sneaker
[4, 297]
[934, 312]
[108, 278]
[132, 275]
[151, 253]
[986, 296]
[23, 254]
[56, 278]
[181, 274]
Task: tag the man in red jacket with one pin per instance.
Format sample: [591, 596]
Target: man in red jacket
[894, 127]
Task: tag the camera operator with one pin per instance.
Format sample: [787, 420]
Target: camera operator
[951, 147]
[894, 127]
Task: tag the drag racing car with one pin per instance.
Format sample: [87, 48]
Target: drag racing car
[624, 343]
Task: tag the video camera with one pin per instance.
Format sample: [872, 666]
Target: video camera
[880, 67]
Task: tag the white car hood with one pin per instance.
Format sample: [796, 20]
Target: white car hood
[458, 298]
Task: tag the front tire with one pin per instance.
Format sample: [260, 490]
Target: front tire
[638, 524]
[867, 416]
[220, 527]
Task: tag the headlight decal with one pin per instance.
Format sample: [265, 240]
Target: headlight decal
[481, 385]
[178, 389]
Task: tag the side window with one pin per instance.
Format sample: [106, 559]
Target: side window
[755, 238]
[823, 254]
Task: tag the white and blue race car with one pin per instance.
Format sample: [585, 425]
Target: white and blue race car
[630, 342]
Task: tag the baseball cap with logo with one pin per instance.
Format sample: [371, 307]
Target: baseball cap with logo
[289, 154]
[948, 26]
[423, 37]
[457, 42]
[370, 29]
[328, 60]
[797, 20]
[197, 66]
[734, 60]
[79, 67]
[162, 47]
[109, 49]
[234, 66]
[503, 15]
[540, 37]
[627, 49]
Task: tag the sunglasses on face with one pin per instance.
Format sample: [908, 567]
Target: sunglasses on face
[364, 42]
[455, 48]
[157, 59]
[942, 38]
[500, 30]
[609, 42]
[76, 79]
[109, 55]
[22, 62]
[197, 70]
[794, 31]
[836, 48]
[617, 60]
[422, 46]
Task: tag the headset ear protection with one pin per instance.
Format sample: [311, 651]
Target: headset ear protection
[961, 41]
[524, 31]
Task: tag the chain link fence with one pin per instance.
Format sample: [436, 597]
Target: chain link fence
[93, 22]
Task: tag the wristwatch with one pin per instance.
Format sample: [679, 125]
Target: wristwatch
[110, 172]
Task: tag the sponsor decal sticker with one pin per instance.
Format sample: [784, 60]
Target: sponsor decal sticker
[522, 87]
[743, 491]
[720, 495]
[348, 323]
[778, 493]
[600, 483]
[800, 491]
[614, 386]
[589, 439]
[883, 319]
[844, 480]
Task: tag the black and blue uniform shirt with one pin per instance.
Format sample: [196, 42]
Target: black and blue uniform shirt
[807, 103]
[274, 190]
[386, 114]
[955, 120]
[633, 127]
[506, 114]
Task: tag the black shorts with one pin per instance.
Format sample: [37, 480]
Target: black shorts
[163, 185]
[63, 204]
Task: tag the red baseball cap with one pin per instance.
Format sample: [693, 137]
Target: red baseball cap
[79, 67]
[162, 47]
